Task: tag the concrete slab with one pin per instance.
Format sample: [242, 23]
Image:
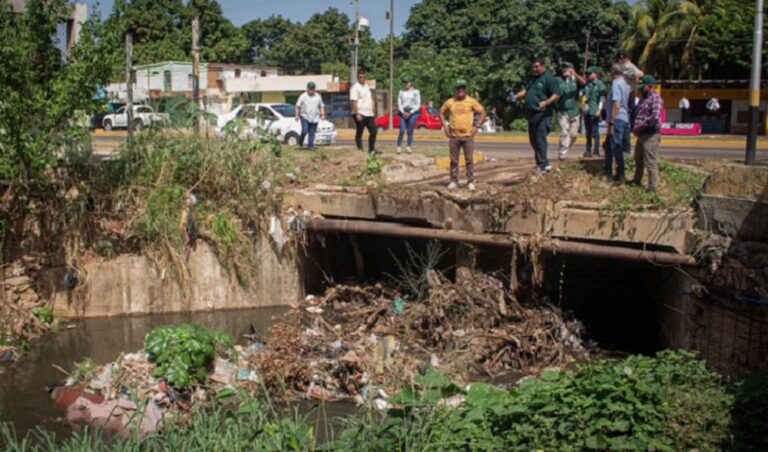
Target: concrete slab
[739, 181]
[336, 202]
[669, 228]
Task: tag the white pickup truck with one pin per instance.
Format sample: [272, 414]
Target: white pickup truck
[143, 116]
[278, 119]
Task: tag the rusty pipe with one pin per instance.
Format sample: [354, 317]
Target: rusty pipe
[554, 246]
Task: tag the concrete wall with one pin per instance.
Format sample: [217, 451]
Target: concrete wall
[133, 284]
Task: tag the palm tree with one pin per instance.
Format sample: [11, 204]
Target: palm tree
[644, 33]
[681, 25]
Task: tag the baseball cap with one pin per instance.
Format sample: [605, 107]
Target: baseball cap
[647, 80]
[567, 65]
[460, 82]
[592, 69]
[407, 79]
[311, 85]
[620, 55]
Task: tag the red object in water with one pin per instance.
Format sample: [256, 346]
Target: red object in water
[64, 396]
[429, 119]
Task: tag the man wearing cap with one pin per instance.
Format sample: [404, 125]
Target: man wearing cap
[362, 111]
[617, 113]
[310, 109]
[647, 128]
[409, 110]
[631, 75]
[568, 108]
[458, 116]
[594, 92]
[540, 95]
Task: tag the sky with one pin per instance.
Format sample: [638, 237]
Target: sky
[242, 11]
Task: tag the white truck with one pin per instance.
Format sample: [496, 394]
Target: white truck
[143, 116]
[278, 119]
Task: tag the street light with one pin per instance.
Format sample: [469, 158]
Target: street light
[754, 86]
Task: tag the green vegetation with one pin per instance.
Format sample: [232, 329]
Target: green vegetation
[44, 314]
[85, 370]
[668, 402]
[184, 353]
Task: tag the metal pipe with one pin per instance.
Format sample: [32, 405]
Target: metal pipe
[553, 246]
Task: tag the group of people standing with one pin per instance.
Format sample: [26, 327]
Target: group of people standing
[631, 106]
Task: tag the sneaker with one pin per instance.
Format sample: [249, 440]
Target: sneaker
[561, 157]
[547, 168]
[471, 186]
[398, 149]
[409, 150]
[587, 155]
[453, 186]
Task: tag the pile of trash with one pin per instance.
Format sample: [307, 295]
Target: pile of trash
[355, 343]
[106, 396]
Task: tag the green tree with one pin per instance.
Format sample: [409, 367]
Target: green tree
[220, 40]
[262, 35]
[44, 95]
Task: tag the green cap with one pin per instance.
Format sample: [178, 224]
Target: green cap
[311, 85]
[594, 69]
[407, 79]
[460, 82]
[567, 65]
[647, 80]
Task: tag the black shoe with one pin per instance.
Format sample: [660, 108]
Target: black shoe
[587, 155]
[618, 180]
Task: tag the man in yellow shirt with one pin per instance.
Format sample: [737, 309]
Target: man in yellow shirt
[459, 127]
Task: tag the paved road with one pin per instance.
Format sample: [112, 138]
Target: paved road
[104, 144]
[523, 150]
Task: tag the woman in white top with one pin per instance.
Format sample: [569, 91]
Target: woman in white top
[409, 110]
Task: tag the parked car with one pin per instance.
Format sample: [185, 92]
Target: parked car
[278, 119]
[429, 119]
[143, 116]
[97, 120]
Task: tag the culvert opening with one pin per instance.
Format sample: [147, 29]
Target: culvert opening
[611, 298]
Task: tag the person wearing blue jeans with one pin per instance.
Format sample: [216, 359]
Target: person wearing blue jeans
[310, 109]
[409, 111]
[618, 125]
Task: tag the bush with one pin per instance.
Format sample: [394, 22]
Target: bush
[519, 125]
[184, 353]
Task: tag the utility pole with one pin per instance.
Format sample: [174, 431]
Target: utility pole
[391, 59]
[356, 43]
[196, 68]
[754, 85]
[586, 53]
[129, 84]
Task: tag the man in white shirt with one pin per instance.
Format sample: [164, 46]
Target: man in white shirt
[362, 112]
[310, 109]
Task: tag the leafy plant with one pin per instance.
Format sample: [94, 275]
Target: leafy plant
[184, 353]
[85, 370]
[44, 314]
[373, 165]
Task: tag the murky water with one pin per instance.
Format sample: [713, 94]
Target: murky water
[23, 398]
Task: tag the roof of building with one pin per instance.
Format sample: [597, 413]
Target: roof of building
[168, 63]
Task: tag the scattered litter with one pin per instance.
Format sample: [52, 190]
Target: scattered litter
[223, 371]
[276, 232]
[314, 310]
[381, 404]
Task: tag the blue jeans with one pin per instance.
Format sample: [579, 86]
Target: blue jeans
[615, 149]
[592, 126]
[539, 125]
[409, 123]
[308, 128]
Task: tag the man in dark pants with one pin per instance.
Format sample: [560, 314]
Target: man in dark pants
[594, 91]
[540, 94]
[362, 111]
[617, 112]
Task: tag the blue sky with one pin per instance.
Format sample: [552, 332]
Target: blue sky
[242, 11]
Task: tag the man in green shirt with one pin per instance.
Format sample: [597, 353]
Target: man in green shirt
[594, 92]
[568, 108]
[540, 95]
